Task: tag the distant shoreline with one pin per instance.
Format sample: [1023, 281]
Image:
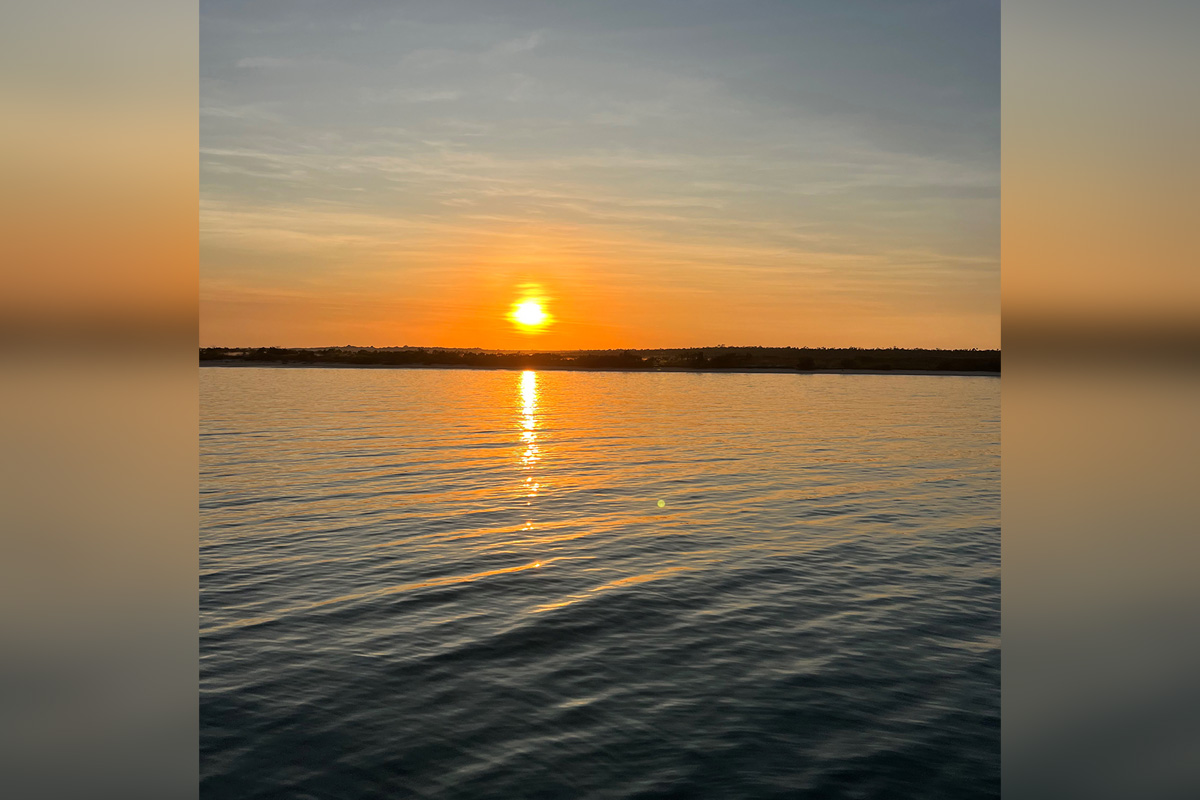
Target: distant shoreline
[729, 370]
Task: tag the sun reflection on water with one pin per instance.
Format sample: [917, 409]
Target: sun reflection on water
[528, 423]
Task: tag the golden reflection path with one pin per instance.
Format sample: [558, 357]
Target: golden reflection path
[528, 424]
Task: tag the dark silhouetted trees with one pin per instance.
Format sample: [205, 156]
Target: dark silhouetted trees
[709, 358]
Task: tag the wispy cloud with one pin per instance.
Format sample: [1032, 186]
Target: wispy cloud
[264, 62]
[521, 44]
[371, 95]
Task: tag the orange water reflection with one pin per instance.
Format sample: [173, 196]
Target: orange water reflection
[528, 425]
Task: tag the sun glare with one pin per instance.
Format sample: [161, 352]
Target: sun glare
[530, 315]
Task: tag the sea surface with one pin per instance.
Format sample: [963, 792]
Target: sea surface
[495, 584]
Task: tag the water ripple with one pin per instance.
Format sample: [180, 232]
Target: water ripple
[439, 583]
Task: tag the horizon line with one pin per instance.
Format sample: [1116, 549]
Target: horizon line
[588, 349]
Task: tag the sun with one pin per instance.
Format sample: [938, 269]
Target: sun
[530, 315]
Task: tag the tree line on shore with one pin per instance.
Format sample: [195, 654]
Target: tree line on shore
[801, 359]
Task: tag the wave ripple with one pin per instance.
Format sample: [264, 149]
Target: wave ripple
[460, 584]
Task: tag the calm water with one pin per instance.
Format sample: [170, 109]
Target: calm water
[467, 584]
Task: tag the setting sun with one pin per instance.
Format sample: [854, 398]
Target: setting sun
[530, 315]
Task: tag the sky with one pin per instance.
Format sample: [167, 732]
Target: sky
[656, 173]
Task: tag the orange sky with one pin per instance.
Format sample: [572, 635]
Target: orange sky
[605, 294]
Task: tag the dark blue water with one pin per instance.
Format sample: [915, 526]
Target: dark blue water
[462, 584]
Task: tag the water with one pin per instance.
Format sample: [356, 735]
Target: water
[470, 584]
